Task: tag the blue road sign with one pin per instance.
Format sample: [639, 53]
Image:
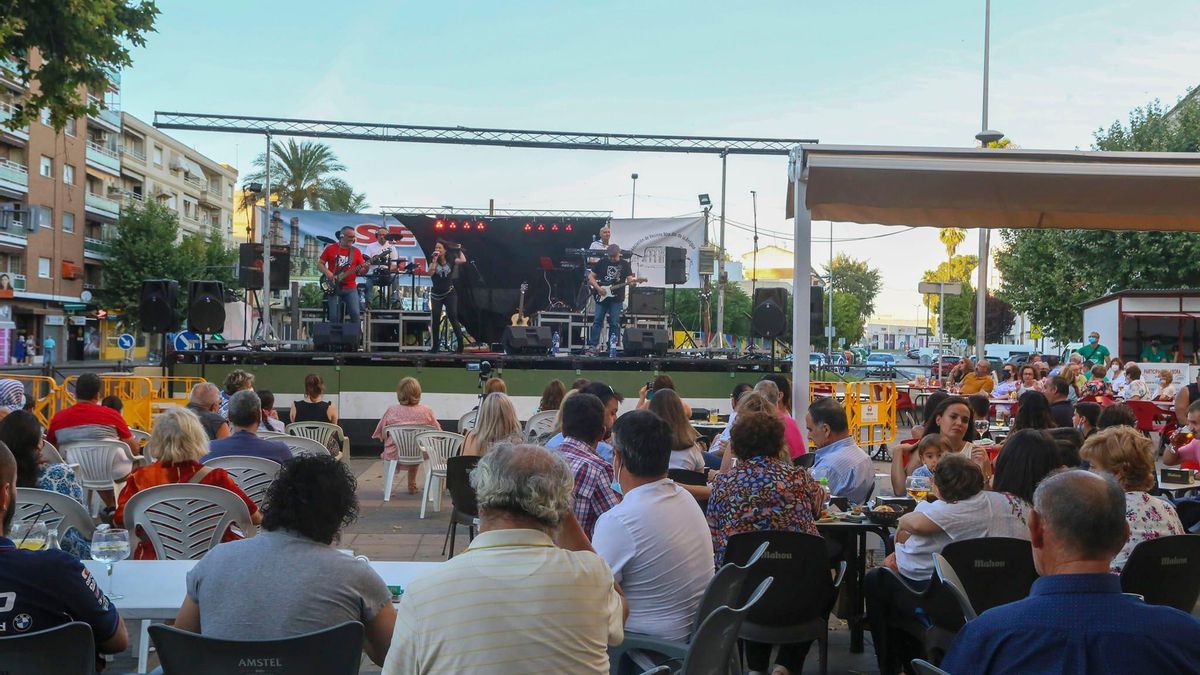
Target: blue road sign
[125, 341]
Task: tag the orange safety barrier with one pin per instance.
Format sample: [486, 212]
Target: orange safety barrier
[171, 390]
[872, 412]
[137, 393]
[44, 391]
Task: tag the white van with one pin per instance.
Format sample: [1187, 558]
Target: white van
[1004, 352]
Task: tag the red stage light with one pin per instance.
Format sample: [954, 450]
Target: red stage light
[453, 225]
[554, 227]
[541, 227]
[439, 225]
[528, 227]
[569, 227]
[480, 226]
[467, 225]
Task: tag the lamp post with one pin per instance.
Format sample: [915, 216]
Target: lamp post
[633, 198]
[985, 137]
[265, 308]
[721, 261]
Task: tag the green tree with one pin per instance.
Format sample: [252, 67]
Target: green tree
[956, 269]
[737, 309]
[300, 172]
[208, 257]
[951, 238]
[338, 195]
[857, 278]
[848, 320]
[143, 248]
[80, 42]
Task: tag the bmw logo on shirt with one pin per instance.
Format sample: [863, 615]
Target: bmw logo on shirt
[22, 622]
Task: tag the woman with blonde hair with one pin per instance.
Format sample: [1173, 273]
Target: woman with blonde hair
[685, 449]
[178, 443]
[497, 422]
[406, 410]
[1129, 456]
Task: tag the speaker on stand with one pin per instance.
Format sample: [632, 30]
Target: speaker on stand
[675, 273]
[768, 318]
[156, 310]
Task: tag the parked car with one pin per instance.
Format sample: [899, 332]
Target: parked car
[816, 360]
[881, 364]
[913, 353]
[948, 363]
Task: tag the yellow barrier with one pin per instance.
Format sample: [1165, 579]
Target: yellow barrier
[45, 391]
[169, 390]
[870, 407]
[136, 393]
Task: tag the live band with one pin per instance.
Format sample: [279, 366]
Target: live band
[607, 275]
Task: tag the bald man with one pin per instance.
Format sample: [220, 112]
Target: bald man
[44, 589]
[205, 401]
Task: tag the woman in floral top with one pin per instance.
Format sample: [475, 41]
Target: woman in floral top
[1129, 456]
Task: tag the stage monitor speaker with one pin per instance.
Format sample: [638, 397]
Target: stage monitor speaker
[206, 307]
[769, 317]
[250, 266]
[332, 336]
[676, 266]
[156, 311]
[526, 339]
[648, 301]
[816, 311]
[647, 342]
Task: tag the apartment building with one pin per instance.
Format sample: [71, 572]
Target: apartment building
[156, 166]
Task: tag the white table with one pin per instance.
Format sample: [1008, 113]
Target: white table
[1174, 489]
[154, 589]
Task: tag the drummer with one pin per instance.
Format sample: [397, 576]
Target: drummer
[379, 275]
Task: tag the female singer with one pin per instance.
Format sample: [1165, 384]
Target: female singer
[443, 270]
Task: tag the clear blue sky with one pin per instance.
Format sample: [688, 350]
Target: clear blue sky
[905, 73]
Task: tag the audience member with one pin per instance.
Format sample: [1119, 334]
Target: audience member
[1186, 397]
[978, 381]
[1086, 418]
[612, 402]
[270, 418]
[179, 444]
[1033, 412]
[839, 459]
[684, 439]
[114, 402]
[237, 380]
[793, 438]
[12, 396]
[580, 384]
[1129, 456]
[552, 395]
[1116, 376]
[954, 419]
[1029, 455]
[539, 607]
[497, 423]
[22, 433]
[87, 420]
[583, 427]
[931, 448]
[722, 439]
[1136, 388]
[1068, 441]
[245, 414]
[1057, 395]
[205, 400]
[1167, 389]
[661, 383]
[307, 505]
[1029, 379]
[495, 385]
[1116, 415]
[1098, 386]
[313, 409]
[406, 410]
[1076, 619]
[48, 588]
[656, 541]
[1006, 381]
[1184, 448]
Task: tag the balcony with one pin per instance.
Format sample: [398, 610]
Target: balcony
[195, 183]
[132, 197]
[100, 157]
[134, 153]
[107, 118]
[7, 111]
[9, 73]
[211, 195]
[101, 206]
[14, 177]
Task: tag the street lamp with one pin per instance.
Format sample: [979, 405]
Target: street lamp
[633, 200]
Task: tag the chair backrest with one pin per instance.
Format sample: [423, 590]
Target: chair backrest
[540, 424]
[333, 651]
[458, 481]
[799, 563]
[50, 454]
[725, 588]
[806, 460]
[253, 474]
[404, 437]
[708, 652]
[100, 462]
[141, 436]
[923, 667]
[321, 432]
[948, 583]
[300, 445]
[1189, 513]
[440, 446]
[69, 648]
[57, 510]
[467, 421]
[184, 520]
[1146, 412]
[686, 477]
[993, 570]
[271, 434]
[904, 400]
[1165, 571]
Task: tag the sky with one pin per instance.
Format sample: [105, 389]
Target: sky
[862, 72]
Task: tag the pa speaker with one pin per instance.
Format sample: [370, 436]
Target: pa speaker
[206, 307]
[816, 305]
[156, 311]
[250, 267]
[646, 341]
[526, 339]
[333, 336]
[676, 272]
[769, 317]
[648, 301]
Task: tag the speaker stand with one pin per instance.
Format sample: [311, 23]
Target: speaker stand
[203, 359]
[676, 323]
[263, 332]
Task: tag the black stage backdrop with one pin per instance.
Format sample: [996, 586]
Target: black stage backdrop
[501, 255]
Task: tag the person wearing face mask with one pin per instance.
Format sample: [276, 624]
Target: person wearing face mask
[583, 427]
[1093, 351]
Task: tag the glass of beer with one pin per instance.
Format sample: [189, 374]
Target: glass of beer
[28, 536]
[918, 487]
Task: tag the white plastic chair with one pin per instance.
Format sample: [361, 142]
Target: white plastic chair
[253, 474]
[50, 454]
[61, 512]
[270, 434]
[408, 452]
[321, 432]
[467, 421]
[539, 425]
[99, 464]
[437, 446]
[142, 437]
[183, 521]
[304, 446]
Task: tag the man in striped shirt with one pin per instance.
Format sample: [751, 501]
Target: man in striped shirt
[583, 427]
[514, 601]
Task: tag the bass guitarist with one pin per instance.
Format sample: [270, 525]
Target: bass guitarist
[606, 273]
[343, 260]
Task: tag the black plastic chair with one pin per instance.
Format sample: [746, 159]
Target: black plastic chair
[465, 510]
[805, 461]
[994, 570]
[69, 648]
[686, 477]
[923, 667]
[1165, 571]
[333, 651]
[1189, 514]
[797, 608]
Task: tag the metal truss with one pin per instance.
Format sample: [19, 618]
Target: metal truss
[451, 212]
[512, 138]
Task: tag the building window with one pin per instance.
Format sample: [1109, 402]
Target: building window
[43, 216]
[171, 202]
[68, 222]
[69, 128]
[158, 155]
[68, 174]
[44, 116]
[46, 167]
[44, 268]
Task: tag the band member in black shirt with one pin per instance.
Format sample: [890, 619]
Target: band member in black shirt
[443, 271]
[608, 271]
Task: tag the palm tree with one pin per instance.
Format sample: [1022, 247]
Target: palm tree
[951, 237]
[299, 172]
[338, 195]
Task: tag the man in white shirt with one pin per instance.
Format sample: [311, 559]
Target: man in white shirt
[514, 602]
[379, 275]
[656, 541]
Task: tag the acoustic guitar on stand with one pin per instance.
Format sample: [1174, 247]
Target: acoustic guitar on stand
[519, 319]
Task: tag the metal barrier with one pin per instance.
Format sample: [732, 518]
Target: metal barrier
[170, 390]
[44, 391]
[137, 394]
[870, 408]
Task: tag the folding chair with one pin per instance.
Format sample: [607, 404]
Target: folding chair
[1165, 571]
[332, 651]
[465, 510]
[69, 648]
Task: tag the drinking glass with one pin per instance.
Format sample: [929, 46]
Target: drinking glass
[29, 536]
[981, 427]
[110, 546]
[918, 487]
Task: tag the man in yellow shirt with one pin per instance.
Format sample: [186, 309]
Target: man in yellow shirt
[978, 381]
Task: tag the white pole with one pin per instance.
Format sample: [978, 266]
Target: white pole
[829, 327]
[801, 263]
[265, 307]
[721, 263]
[941, 326]
[981, 291]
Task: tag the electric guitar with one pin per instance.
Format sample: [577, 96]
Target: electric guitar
[606, 292]
[519, 319]
[331, 286]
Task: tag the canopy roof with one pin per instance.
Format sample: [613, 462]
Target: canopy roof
[951, 187]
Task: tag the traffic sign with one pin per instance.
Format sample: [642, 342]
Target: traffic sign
[125, 341]
[1035, 332]
[187, 340]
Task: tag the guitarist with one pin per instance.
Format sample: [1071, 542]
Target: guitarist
[608, 271]
[443, 270]
[337, 259]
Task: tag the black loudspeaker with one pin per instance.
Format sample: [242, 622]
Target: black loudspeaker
[330, 336]
[206, 307]
[526, 339]
[648, 301]
[816, 305]
[676, 272]
[647, 341]
[769, 317]
[250, 267]
[156, 311]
